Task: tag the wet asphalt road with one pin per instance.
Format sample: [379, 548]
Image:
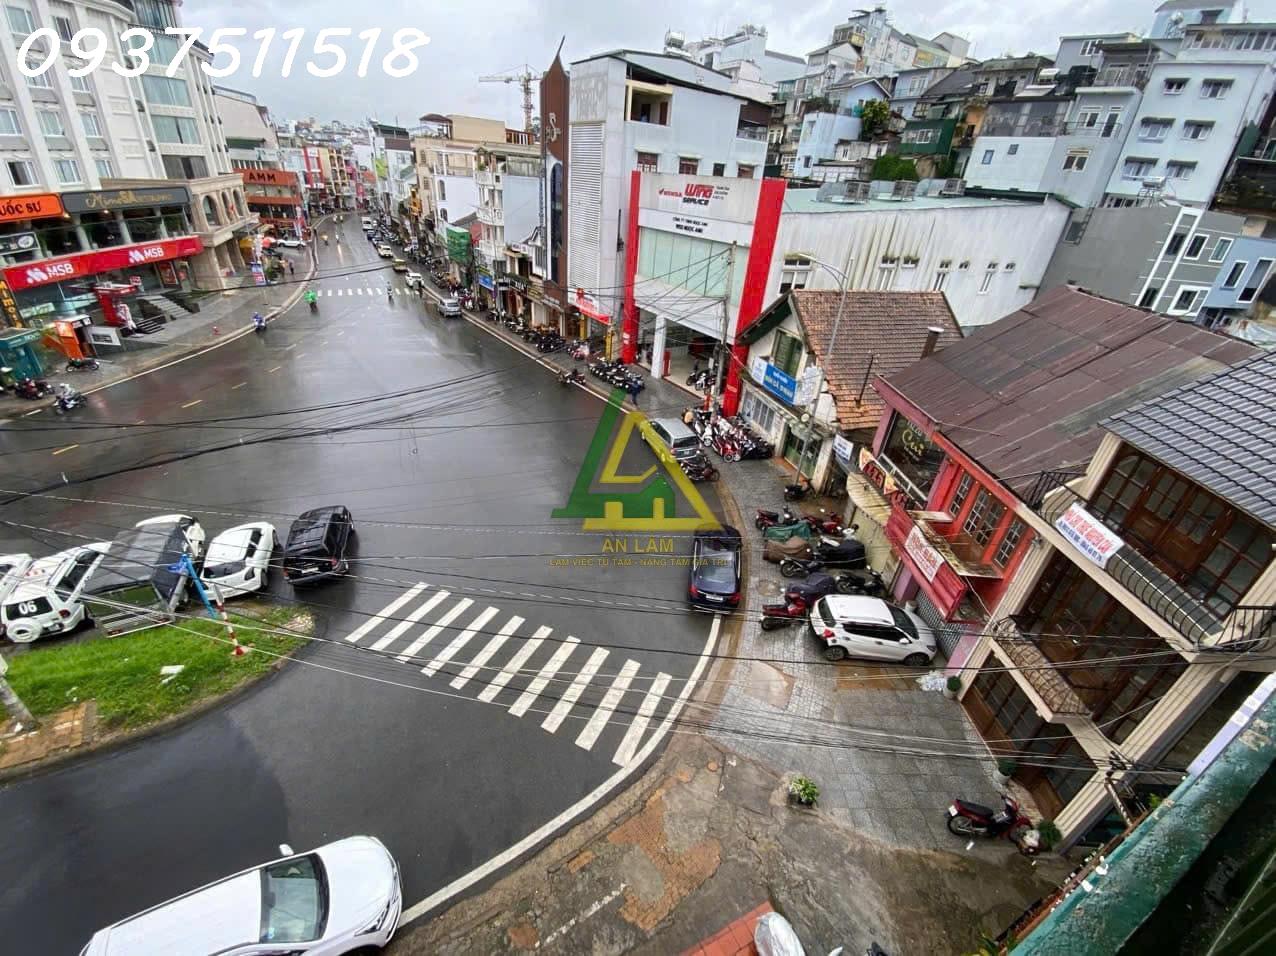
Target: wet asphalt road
[451, 451]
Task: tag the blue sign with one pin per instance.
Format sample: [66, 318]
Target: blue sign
[486, 282]
[259, 274]
[779, 383]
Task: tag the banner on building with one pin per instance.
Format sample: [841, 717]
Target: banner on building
[41, 206]
[780, 383]
[925, 557]
[1088, 535]
[458, 245]
[843, 449]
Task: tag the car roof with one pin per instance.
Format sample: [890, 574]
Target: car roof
[858, 607]
[231, 543]
[674, 426]
[208, 920]
[723, 537]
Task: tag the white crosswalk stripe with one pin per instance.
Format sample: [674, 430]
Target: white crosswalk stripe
[514, 665]
[638, 726]
[370, 292]
[460, 641]
[485, 655]
[399, 629]
[380, 617]
[432, 632]
[607, 706]
[358, 291]
[573, 692]
[519, 707]
[341, 292]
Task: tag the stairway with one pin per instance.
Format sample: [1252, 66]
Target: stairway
[160, 307]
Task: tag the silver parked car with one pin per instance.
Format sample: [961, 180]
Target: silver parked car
[852, 625]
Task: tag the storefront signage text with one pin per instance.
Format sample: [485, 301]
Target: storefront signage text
[104, 260]
[1088, 535]
[927, 559]
[126, 198]
[18, 242]
[40, 206]
[779, 383]
[9, 305]
[842, 450]
[269, 177]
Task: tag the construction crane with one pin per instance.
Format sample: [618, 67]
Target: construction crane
[525, 76]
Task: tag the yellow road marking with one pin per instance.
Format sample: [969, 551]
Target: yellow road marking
[240, 385]
[67, 448]
[192, 404]
[275, 369]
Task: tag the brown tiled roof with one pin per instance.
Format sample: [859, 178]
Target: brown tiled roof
[1027, 393]
[888, 328]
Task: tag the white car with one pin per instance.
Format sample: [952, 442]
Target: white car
[291, 242]
[852, 625]
[342, 897]
[12, 567]
[190, 527]
[385, 251]
[238, 560]
[413, 279]
[46, 599]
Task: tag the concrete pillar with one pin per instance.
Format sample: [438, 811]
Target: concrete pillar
[123, 224]
[163, 226]
[658, 347]
[81, 234]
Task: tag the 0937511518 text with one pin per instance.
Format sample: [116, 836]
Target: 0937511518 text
[142, 48]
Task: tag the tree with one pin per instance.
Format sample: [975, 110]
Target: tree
[891, 167]
[875, 117]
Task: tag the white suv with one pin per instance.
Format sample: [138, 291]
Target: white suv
[46, 599]
[852, 625]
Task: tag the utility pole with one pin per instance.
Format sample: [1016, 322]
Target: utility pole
[11, 701]
[844, 280]
[723, 354]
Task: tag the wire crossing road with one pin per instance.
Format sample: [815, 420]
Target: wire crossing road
[477, 674]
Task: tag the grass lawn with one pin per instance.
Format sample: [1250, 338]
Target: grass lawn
[123, 673]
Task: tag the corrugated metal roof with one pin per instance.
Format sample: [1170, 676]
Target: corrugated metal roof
[1029, 392]
[1220, 431]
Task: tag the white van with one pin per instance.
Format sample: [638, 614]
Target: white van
[47, 598]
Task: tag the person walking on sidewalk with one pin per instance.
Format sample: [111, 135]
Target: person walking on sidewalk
[634, 387]
[290, 267]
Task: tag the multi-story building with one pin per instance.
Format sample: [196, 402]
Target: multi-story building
[1084, 51]
[272, 192]
[550, 299]
[825, 126]
[112, 161]
[510, 182]
[1249, 185]
[1175, 16]
[446, 164]
[392, 160]
[653, 113]
[1008, 75]
[1242, 298]
[1181, 141]
[745, 45]
[886, 50]
[910, 85]
[1165, 257]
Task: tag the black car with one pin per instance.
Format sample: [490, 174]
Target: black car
[317, 543]
[715, 570]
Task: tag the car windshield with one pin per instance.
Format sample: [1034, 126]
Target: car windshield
[822, 609]
[904, 622]
[686, 442]
[715, 567]
[294, 900]
[224, 569]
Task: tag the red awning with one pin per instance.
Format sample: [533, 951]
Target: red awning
[588, 308]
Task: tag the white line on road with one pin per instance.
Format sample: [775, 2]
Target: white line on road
[397, 631]
[607, 706]
[485, 655]
[572, 694]
[192, 404]
[431, 633]
[35, 412]
[514, 664]
[275, 369]
[581, 806]
[240, 385]
[67, 448]
[370, 292]
[519, 708]
[291, 347]
[637, 726]
[459, 642]
[362, 631]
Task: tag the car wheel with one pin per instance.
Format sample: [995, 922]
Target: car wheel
[916, 660]
[835, 653]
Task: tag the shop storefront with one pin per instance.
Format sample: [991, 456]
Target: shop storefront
[594, 323]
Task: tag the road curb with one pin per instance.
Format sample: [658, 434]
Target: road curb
[182, 354]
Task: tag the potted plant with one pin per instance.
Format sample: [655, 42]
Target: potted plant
[1049, 834]
[803, 791]
[1005, 770]
[952, 687]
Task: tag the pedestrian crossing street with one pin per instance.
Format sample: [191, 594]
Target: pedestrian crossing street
[528, 670]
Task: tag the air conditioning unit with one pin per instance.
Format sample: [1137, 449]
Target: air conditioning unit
[1154, 182]
[953, 187]
[1049, 73]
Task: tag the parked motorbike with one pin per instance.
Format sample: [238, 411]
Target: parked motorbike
[812, 589]
[82, 365]
[796, 492]
[32, 388]
[824, 523]
[848, 554]
[966, 819]
[699, 469]
[776, 616]
[65, 398]
[764, 519]
[574, 377]
[864, 581]
[700, 379]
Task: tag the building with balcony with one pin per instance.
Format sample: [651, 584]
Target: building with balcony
[656, 114]
[510, 183]
[392, 161]
[1182, 261]
[910, 85]
[1181, 140]
[824, 127]
[745, 45]
[966, 432]
[1174, 16]
[1249, 185]
[1146, 613]
[446, 167]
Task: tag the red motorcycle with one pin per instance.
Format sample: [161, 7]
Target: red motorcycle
[764, 519]
[825, 523]
[792, 611]
[966, 819]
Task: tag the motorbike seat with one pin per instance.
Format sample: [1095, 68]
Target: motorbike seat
[977, 808]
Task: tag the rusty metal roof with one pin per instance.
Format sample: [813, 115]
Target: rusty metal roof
[1029, 392]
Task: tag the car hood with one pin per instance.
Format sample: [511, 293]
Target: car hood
[925, 636]
[361, 878]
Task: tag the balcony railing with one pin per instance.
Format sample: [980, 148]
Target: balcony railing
[491, 215]
[485, 177]
[1037, 669]
[999, 126]
[1050, 497]
[751, 132]
[1122, 76]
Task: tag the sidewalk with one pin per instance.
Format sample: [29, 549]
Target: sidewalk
[220, 317]
[706, 836]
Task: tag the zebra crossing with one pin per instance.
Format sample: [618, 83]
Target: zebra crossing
[527, 669]
[354, 291]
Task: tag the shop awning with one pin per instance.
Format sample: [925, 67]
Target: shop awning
[698, 312]
[588, 308]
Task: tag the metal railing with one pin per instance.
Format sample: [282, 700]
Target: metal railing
[1038, 670]
[1122, 76]
[751, 132]
[999, 126]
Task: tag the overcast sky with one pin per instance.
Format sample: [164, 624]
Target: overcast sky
[472, 38]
